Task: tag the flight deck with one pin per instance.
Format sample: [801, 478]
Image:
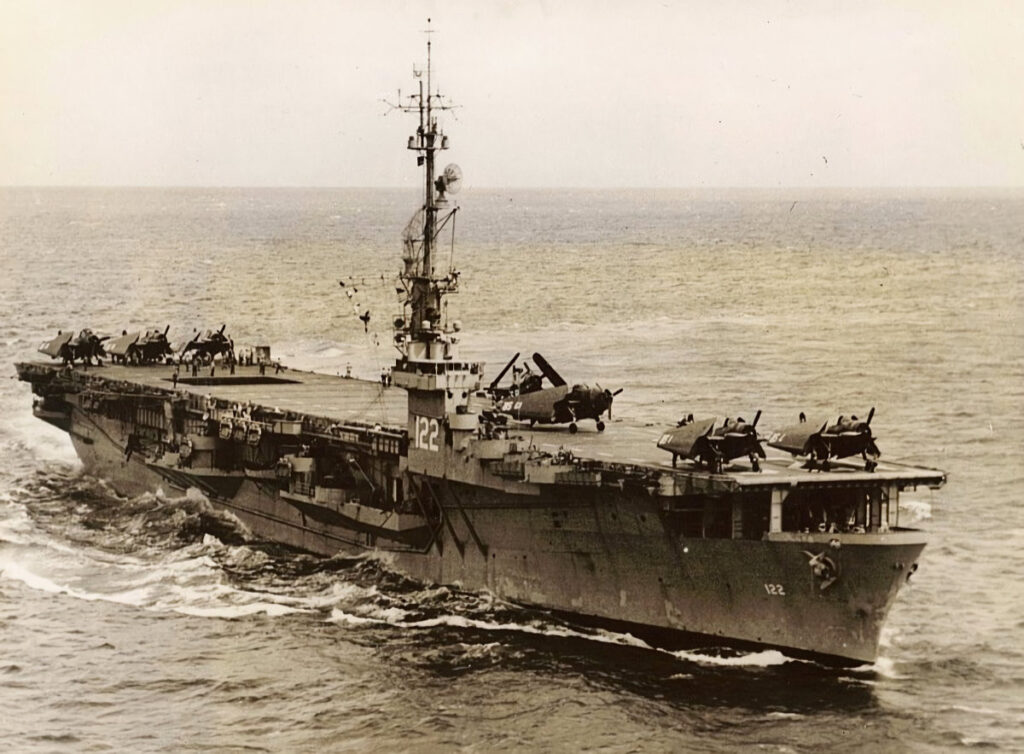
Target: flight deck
[354, 400]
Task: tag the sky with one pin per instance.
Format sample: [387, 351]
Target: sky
[550, 93]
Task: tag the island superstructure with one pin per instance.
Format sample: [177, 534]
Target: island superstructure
[806, 557]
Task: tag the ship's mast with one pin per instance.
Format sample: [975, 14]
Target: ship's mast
[430, 136]
[423, 336]
[425, 290]
[426, 294]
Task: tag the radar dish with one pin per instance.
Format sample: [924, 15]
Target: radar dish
[452, 177]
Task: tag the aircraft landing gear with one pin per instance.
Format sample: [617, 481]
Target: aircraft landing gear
[573, 429]
[600, 426]
[870, 464]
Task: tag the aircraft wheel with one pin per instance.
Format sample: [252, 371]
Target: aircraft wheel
[600, 426]
[573, 429]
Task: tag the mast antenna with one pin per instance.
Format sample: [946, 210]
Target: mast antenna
[425, 289]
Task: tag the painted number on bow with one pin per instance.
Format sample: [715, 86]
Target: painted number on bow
[775, 590]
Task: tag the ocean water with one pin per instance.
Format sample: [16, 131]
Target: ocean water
[155, 624]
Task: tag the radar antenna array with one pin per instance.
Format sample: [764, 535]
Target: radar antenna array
[450, 180]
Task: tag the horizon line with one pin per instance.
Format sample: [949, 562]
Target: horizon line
[831, 187]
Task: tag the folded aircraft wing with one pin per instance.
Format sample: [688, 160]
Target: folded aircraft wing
[52, 348]
[685, 440]
[119, 346]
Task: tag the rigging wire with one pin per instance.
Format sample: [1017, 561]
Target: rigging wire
[373, 340]
[451, 247]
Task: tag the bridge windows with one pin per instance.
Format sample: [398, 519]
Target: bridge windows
[754, 514]
[838, 509]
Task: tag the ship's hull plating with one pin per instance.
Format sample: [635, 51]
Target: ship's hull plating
[608, 558]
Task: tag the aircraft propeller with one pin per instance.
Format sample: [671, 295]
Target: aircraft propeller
[872, 448]
[608, 397]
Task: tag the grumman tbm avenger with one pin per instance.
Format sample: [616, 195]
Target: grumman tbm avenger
[528, 400]
[712, 444]
[151, 347]
[208, 345]
[86, 346]
[820, 441]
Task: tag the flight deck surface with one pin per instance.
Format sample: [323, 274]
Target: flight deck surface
[347, 399]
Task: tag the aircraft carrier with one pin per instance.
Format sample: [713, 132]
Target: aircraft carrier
[799, 549]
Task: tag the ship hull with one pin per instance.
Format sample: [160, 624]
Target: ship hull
[608, 559]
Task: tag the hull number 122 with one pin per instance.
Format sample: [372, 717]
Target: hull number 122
[425, 432]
